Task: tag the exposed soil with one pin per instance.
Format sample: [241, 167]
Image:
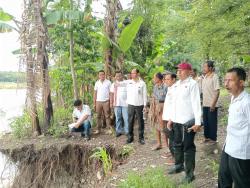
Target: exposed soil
[71, 156]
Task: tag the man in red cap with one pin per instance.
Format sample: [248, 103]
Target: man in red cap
[185, 120]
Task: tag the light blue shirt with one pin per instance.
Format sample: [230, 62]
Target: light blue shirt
[237, 142]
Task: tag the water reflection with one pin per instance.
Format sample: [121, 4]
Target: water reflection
[11, 105]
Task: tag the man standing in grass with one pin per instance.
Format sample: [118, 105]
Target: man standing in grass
[235, 157]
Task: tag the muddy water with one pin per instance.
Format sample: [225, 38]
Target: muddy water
[11, 105]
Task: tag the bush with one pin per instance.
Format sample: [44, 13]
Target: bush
[62, 117]
[21, 126]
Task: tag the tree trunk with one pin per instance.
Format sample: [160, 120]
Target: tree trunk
[42, 60]
[26, 37]
[75, 88]
[112, 7]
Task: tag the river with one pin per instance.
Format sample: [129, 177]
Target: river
[11, 105]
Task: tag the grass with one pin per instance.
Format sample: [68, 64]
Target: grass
[152, 178]
[12, 85]
[125, 151]
[101, 154]
[214, 165]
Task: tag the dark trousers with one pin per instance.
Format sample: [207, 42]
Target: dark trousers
[210, 123]
[183, 140]
[184, 147]
[83, 128]
[138, 110]
[170, 134]
[235, 171]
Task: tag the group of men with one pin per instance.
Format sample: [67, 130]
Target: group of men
[178, 113]
[128, 99]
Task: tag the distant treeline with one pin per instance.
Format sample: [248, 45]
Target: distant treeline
[17, 77]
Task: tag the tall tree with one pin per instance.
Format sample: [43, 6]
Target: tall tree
[110, 29]
[27, 40]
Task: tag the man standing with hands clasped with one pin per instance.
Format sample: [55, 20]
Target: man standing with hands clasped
[235, 157]
[185, 119]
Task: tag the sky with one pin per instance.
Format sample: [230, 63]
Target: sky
[9, 41]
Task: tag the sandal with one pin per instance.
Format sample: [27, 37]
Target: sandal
[156, 148]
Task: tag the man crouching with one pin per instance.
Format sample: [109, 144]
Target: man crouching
[81, 118]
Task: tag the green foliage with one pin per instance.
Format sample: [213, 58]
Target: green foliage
[152, 178]
[21, 126]
[4, 16]
[125, 151]
[101, 154]
[54, 17]
[62, 117]
[4, 27]
[128, 34]
[16, 77]
[214, 165]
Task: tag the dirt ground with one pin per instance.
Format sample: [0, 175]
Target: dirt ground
[142, 157]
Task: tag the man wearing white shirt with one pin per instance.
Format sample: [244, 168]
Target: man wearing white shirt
[235, 157]
[101, 100]
[118, 100]
[137, 100]
[81, 118]
[170, 79]
[186, 120]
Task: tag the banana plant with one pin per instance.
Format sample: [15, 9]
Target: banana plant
[123, 42]
[67, 17]
[6, 17]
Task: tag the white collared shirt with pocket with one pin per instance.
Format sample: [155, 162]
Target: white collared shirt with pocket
[136, 93]
[186, 102]
[168, 104]
[237, 142]
[120, 93]
[102, 89]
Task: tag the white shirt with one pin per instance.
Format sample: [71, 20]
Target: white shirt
[238, 129]
[120, 93]
[102, 89]
[136, 93]
[167, 109]
[186, 102]
[85, 111]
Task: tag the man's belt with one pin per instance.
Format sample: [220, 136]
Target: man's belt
[161, 101]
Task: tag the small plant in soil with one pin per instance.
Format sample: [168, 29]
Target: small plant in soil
[125, 151]
[101, 154]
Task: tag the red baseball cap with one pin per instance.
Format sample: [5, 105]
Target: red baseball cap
[184, 66]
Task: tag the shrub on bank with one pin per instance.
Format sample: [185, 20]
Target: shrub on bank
[21, 126]
[62, 117]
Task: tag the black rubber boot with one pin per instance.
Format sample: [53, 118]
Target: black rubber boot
[179, 159]
[189, 166]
